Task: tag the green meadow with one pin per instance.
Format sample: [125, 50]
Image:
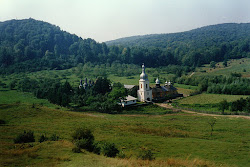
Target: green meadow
[210, 98]
[207, 102]
[175, 139]
[241, 66]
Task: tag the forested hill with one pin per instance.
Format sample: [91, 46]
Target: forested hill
[201, 37]
[196, 47]
[31, 45]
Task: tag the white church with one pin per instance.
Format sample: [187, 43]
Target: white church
[144, 93]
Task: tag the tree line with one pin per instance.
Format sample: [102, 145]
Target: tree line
[238, 105]
[101, 96]
[233, 84]
[31, 45]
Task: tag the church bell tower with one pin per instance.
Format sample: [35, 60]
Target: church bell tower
[145, 92]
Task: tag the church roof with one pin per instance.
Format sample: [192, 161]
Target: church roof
[163, 89]
[157, 81]
[143, 75]
[130, 98]
[129, 86]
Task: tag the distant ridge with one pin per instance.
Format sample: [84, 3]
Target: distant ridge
[217, 33]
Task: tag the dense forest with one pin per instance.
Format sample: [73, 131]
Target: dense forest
[31, 45]
[196, 47]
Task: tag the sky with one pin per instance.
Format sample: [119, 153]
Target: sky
[105, 20]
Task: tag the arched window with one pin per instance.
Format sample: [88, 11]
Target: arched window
[141, 86]
[146, 86]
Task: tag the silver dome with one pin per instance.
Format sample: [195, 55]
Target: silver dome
[143, 75]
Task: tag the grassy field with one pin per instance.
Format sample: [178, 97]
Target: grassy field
[176, 139]
[207, 102]
[13, 96]
[235, 65]
[209, 98]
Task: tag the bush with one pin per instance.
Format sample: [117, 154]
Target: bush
[82, 133]
[25, 137]
[96, 148]
[110, 150]
[84, 139]
[85, 144]
[2, 122]
[76, 150]
[54, 137]
[146, 154]
[43, 138]
[121, 155]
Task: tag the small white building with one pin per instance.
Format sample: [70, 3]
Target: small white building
[129, 100]
[145, 92]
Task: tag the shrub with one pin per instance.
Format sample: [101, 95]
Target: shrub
[84, 139]
[2, 122]
[110, 150]
[121, 155]
[85, 144]
[96, 148]
[43, 138]
[76, 150]
[146, 154]
[82, 133]
[54, 137]
[25, 137]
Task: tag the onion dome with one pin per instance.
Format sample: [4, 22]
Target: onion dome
[157, 81]
[143, 75]
[166, 83]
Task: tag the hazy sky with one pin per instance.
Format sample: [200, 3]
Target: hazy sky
[105, 20]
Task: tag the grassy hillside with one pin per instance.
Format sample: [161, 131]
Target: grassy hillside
[175, 139]
[207, 102]
[241, 66]
[210, 98]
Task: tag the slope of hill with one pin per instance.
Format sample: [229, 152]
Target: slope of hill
[200, 37]
[33, 45]
[199, 46]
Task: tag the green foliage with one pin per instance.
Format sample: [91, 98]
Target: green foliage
[195, 47]
[82, 133]
[241, 105]
[118, 92]
[31, 45]
[102, 86]
[12, 85]
[54, 137]
[25, 137]
[223, 105]
[212, 64]
[43, 138]
[110, 150]
[2, 122]
[225, 63]
[86, 144]
[84, 139]
[146, 154]
[96, 148]
[233, 84]
[236, 75]
[76, 150]
[212, 122]
[129, 131]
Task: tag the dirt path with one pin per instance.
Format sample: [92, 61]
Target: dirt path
[202, 114]
[192, 74]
